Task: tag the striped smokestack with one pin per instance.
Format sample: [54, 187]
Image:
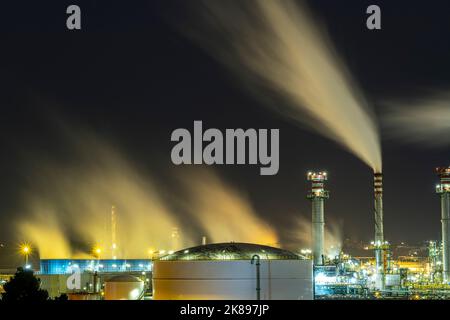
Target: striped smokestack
[379, 243]
[378, 191]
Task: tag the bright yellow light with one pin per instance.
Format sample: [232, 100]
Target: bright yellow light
[25, 249]
[97, 250]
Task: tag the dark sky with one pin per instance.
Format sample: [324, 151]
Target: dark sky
[131, 78]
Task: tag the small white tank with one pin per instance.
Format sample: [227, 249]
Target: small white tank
[124, 287]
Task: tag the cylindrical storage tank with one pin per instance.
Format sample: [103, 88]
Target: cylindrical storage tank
[225, 272]
[124, 287]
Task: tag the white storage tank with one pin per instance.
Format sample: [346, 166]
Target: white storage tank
[124, 287]
[224, 271]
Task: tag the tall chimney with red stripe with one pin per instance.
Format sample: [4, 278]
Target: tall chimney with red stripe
[379, 233]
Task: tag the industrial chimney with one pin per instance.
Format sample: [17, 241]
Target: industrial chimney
[443, 189]
[317, 196]
[379, 245]
[379, 234]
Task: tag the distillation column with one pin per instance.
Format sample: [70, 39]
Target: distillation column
[443, 189]
[317, 196]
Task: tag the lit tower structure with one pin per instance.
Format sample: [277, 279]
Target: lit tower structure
[443, 189]
[113, 233]
[379, 245]
[317, 196]
[434, 259]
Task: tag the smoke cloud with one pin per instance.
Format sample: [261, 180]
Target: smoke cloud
[333, 235]
[424, 121]
[74, 199]
[68, 206]
[224, 212]
[276, 45]
[45, 232]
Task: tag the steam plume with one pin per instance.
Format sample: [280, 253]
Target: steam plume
[74, 200]
[276, 44]
[68, 207]
[333, 235]
[424, 121]
[224, 213]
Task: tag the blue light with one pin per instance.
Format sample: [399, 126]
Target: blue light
[65, 266]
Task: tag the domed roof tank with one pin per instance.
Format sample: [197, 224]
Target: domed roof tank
[231, 251]
[224, 271]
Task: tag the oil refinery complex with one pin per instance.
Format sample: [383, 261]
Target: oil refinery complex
[253, 271]
[383, 276]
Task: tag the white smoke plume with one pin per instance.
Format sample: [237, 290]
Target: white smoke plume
[277, 45]
[301, 233]
[424, 121]
[73, 199]
[224, 211]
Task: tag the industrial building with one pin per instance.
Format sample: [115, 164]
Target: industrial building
[68, 266]
[247, 271]
[95, 275]
[210, 271]
[383, 276]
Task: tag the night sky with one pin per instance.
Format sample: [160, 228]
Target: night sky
[130, 77]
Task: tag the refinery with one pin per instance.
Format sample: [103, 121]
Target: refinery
[234, 270]
[226, 150]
